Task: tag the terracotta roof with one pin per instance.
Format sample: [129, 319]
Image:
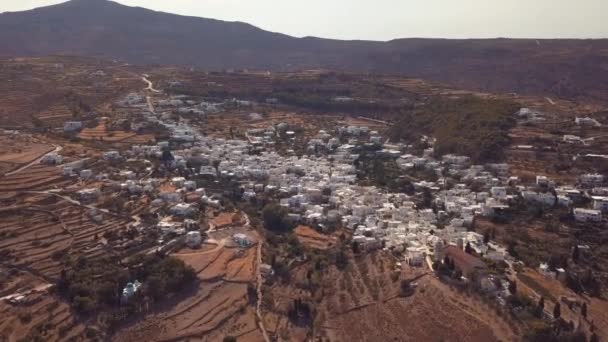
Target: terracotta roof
[465, 262]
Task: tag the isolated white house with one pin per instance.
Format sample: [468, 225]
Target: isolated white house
[241, 239]
[193, 239]
[51, 159]
[89, 194]
[129, 291]
[587, 121]
[72, 126]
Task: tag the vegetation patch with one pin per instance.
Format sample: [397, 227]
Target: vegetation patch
[468, 126]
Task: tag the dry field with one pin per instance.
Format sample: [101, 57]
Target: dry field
[313, 239]
[37, 231]
[535, 285]
[225, 219]
[306, 124]
[366, 293]
[217, 307]
[40, 230]
[102, 133]
[35, 178]
[17, 150]
[210, 312]
[55, 115]
[227, 264]
[42, 312]
[433, 313]
[56, 89]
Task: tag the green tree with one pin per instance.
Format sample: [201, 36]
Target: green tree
[576, 253]
[513, 287]
[584, 310]
[540, 307]
[468, 249]
[486, 236]
[83, 305]
[557, 311]
[594, 338]
[275, 218]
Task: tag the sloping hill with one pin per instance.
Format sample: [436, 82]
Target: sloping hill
[100, 28]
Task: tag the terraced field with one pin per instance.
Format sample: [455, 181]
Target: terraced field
[38, 232]
[37, 177]
[38, 235]
[101, 132]
[56, 115]
[219, 306]
[51, 317]
[218, 309]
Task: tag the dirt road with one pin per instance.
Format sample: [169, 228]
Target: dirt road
[258, 310]
[150, 85]
[38, 288]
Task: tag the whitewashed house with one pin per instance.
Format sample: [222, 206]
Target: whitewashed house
[184, 210]
[72, 126]
[51, 159]
[600, 203]
[193, 239]
[86, 195]
[587, 121]
[499, 192]
[86, 174]
[111, 155]
[587, 215]
[591, 180]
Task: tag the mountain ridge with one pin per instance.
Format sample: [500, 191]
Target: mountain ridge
[106, 29]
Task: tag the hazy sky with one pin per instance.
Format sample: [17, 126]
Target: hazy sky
[388, 19]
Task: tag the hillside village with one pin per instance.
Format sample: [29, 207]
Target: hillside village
[174, 191]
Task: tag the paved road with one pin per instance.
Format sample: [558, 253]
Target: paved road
[34, 162]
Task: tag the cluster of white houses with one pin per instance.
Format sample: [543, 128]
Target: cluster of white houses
[323, 191]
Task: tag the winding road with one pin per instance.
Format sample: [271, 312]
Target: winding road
[150, 85]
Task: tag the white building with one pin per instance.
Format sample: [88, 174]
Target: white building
[499, 192]
[129, 291]
[542, 181]
[587, 215]
[544, 270]
[51, 159]
[600, 203]
[193, 239]
[591, 180]
[89, 194]
[241, 239]
[86, 174]
[415, 255]
[587, 121]
[111, 155]
[72, 126]
[184, 210]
